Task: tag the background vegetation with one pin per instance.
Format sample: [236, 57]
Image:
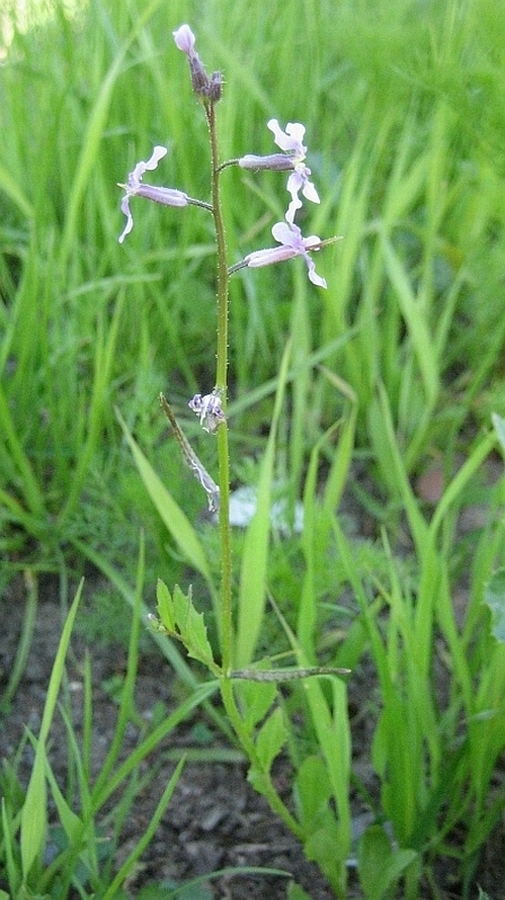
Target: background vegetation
[404, 110]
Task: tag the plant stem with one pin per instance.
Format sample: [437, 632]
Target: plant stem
[222, 386]
[227, 693]
[265, 785]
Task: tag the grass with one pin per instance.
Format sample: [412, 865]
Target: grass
[398, 365]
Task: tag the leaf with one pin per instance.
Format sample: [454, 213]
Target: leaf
[72, 825]
[172, 515]
[380, 866]
[499, 427]
[251, 605]
[165, 605]
[295, 892]
[416, 319]
[181, 620]
[34, 812]
[271, 738]
[256, 698]
[313, 791]
[494, 597]
[191, 625]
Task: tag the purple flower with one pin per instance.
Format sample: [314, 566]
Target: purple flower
[208, 89]
[185, 40]
[209, 410]
[292, 243]
[291, 142]
[135, 188]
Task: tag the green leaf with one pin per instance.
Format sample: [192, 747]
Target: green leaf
[256, 698]
[71, 823]
[416, 319]
[182, 621]
[271, 738]
[380, 866]
[320, 848]
[312, 791]
[499, 427]
[494, 596]
[251, 605]
[9, 855]
[165, 606]
[34, 812]
[191, 626]
[172, 515]
[295, 892]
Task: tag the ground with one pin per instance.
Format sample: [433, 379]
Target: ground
[215, 819]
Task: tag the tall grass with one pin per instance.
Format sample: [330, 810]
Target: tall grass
[399, 363]
[406, 175]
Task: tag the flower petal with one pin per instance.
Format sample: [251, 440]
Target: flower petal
[290, 235]
[291, 139]
[185, 40]
[314, 277]
[135, 177]
[309, 191]
[125, 208]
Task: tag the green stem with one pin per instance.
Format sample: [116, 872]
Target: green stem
[222, 386]
[226, 683]
[265, 786]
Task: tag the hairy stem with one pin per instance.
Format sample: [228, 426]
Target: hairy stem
[227, 691]
[222, 386]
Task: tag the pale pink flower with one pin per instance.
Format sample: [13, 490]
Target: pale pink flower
[292, 243]
[135, 188]
[209, 89]
[185, 40]
[291, 141]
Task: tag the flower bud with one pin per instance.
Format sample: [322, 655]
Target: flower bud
[207, 88]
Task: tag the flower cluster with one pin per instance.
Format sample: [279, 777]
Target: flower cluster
[208, 89]
[292, 159]
[292, 243]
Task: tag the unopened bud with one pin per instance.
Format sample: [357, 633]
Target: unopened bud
[207, 88]
[215, 87]
[199, 77]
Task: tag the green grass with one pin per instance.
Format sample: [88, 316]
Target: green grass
[398, 364]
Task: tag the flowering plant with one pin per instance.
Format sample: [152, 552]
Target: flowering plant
[259, 729]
